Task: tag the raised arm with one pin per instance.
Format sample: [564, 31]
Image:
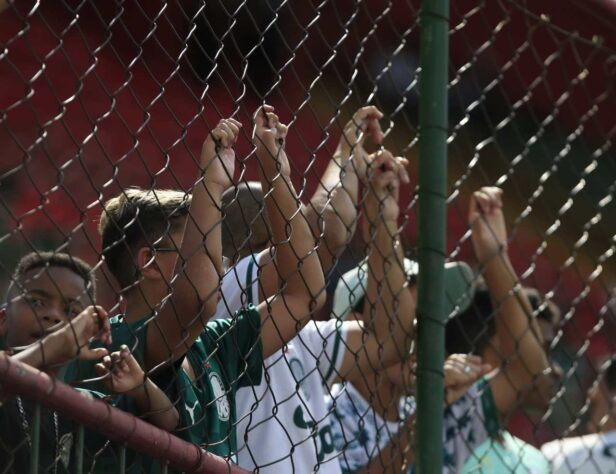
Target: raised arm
[520, 340]
[386, 333]
[302, 285]
[69, 341]
[193, 289]
[461, 371]
[332, 211]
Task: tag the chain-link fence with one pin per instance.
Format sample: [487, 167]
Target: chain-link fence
[241, 279]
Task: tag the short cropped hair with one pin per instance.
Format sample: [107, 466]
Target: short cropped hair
[136, 218]
[610, 376]
[543, 308]
[246, 228]
[470, 331]
[40, 260]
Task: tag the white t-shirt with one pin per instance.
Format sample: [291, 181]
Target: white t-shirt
[359, 432]
[467, 423]
[283, 424]
[590, 454]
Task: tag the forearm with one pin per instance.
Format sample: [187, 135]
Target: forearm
[154, 405]
[49, 351]
[296, 259]
[194, 290]
[389, 307]
[200, 263]
[332, 211]
[520, 340]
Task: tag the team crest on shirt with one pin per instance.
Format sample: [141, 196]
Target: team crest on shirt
[222, 401]
[299, 374]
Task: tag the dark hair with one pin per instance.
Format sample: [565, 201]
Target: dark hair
[135, 218]
[245, 228]
[470, 331]
[610, 376]
[542, 308]
[35, 260]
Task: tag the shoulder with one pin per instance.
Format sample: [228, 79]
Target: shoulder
[244, 323]
[570, 446]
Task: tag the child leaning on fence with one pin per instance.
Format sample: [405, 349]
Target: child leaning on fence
[474, 435]
[283, 424]
[382, 439]
[164, 249]
[48, 320]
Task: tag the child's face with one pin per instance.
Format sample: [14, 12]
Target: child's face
[48, 297]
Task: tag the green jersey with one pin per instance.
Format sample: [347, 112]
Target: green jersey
[227, 356]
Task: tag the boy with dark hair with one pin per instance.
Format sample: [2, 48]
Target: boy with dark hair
[48, 319]
[164, 248]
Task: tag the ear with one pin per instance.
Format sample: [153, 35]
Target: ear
[147, 264]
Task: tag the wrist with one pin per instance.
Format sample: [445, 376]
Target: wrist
[215, 187]
[141, 389]
[66, 342]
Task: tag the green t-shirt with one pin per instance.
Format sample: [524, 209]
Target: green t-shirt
[228, 355]
[132, 335]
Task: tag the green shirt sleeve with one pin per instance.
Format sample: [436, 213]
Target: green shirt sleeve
[238, 342]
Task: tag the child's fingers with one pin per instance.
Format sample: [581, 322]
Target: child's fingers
[402, 171]
[228, 139]
[101, 370]
[107, 361]
[96, 353]
[373, 129]
[260, 115]
[367, 111]
[282, 130]
[272, 120]
[233, 127]
[219, 135]
[237, 123]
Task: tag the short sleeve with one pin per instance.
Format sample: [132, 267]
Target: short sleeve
[240, 286]
[238, 342]
[325, 341]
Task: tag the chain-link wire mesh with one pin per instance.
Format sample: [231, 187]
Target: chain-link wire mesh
[255, 267]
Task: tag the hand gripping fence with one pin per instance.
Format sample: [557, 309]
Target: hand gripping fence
[212, 260]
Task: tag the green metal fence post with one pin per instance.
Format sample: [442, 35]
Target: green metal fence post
[433, 126]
